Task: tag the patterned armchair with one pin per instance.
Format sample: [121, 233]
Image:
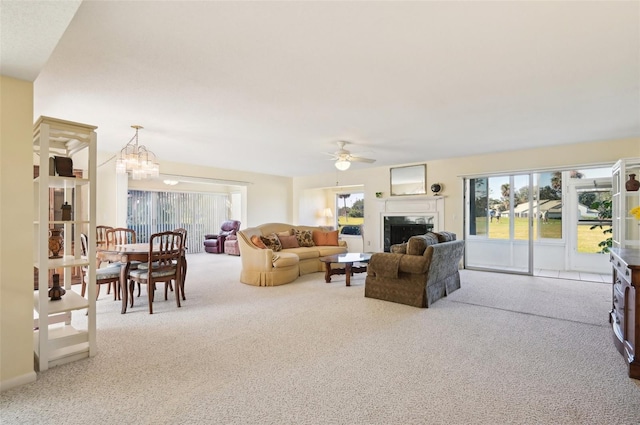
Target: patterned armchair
[417, 273]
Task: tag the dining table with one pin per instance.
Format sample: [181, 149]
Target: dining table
[125, 254]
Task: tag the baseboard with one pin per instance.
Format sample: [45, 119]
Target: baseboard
[18, 381]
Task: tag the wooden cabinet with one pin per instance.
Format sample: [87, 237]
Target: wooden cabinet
[625, 312]
[56, 341]
[626, 228]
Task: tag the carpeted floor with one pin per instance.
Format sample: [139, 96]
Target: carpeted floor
[502, 349]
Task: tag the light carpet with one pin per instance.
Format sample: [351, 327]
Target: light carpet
[502, 349]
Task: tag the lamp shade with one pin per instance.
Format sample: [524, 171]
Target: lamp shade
[342, 165]
[327, 213]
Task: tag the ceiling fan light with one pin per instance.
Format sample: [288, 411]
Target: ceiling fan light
[342, 165]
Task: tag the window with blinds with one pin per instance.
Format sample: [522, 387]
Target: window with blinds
[199, 213]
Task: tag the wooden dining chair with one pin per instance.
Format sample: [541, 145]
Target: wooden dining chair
[164, 265]
[101, 241]
[183, 274]
[109, 275]
[122, 236]
[183, 258]
[101, 235]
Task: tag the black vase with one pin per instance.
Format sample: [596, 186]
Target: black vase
[56, 292]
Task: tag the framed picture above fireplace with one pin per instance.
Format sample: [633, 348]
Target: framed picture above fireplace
[410, 180]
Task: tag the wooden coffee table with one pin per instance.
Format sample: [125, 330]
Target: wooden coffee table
[348, 259]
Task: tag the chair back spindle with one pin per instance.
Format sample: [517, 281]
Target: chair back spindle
[120, 236]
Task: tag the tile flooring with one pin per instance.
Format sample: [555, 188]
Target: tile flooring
[590, 277]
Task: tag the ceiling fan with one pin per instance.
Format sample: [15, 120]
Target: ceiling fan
[344, 158]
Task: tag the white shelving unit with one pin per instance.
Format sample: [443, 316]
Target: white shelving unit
[56, 341]
[626, 228]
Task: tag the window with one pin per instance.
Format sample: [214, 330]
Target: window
[478, 206]
[350, 207]
[548, 206]
[199, 213]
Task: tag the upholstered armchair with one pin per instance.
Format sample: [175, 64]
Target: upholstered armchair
[214, 243]
[418, 273]
[231, 246]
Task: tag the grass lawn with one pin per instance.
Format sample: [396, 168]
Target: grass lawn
[352, 221]
[588, 240]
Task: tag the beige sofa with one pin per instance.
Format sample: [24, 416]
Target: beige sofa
[264, 267]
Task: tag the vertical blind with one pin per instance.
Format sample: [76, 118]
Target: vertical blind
[199, 213]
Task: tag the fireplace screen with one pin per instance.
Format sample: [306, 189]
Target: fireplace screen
[398, 229]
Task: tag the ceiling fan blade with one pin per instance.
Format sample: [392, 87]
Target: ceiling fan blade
[360, 159]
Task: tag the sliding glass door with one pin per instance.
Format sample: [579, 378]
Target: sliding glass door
[200, 213]
[498, 223]
[543, 223]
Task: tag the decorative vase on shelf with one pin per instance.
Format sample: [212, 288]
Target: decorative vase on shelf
[632, 185]
[64, 166]
[66, 212]
[55, 243]
[56, 292]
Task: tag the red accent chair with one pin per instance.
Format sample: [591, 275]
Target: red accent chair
[214, 243]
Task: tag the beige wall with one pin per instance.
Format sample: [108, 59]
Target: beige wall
[268, 198]
[449, 173]
[16, 233]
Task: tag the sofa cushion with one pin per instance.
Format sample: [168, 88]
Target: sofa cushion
[305, 253]
[445, 236]
[400, 248]
[417, 244]
[415, 264]
[289, 241]
[325, 238]
[285, 259]
[272, 241]
[305, 238]
[324, 251]
[258, 242]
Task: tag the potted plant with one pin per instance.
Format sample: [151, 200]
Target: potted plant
[604, 215]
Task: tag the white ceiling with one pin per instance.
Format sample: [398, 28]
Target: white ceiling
[271, 86]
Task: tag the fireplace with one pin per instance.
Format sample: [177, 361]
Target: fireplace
[398, 229]
[406, 216]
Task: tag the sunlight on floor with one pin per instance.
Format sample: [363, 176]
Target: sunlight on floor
[590, 277]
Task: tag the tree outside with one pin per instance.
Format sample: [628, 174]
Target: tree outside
[350, 209]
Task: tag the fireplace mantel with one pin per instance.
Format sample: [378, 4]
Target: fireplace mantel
[433, 204]
[430, 206]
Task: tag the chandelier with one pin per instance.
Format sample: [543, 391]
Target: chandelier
[137, 160]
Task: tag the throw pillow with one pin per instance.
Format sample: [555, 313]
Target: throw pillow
[325, 238]
[305, 238]
[285, 233]
[418, 244]
[258, 242]
[272, 242]
[446, 236]
[288, 242]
